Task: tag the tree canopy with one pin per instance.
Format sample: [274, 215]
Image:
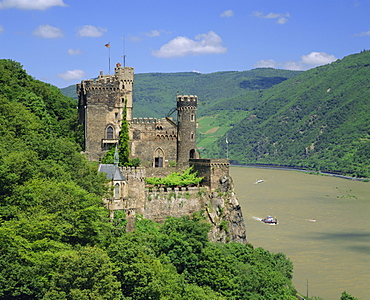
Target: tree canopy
[56, 238]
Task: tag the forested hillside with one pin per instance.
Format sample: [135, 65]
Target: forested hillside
[56, 239]
[155, 93]
[319, 119]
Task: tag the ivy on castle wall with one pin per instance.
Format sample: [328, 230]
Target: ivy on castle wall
[187, 178]
[123, 147]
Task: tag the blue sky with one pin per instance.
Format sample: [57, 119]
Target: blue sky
[63, 41]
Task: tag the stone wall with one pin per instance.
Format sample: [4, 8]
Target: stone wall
[176, 202]
[213, 171]
[152, 138]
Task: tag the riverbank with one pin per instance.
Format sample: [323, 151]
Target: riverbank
[289, 168]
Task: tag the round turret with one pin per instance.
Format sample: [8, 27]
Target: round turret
[187, 124]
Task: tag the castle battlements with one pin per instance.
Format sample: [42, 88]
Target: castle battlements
[133, 172]
[188, 98]
[148, 121]
[186, 102]
[145, 121]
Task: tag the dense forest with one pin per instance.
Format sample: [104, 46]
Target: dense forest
[56, 238]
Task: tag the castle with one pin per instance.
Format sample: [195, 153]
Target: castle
[102, 104]
[160, 144]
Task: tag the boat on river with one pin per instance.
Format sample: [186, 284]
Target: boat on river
[269, 220]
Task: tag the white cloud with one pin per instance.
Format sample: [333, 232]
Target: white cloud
[1, 29]
[281, 18]
[48, 32]
[135, 39]
[31, 4]
[206, 43]
[91, 31]
[308, 61]
[318, 58]
[72, 75]
[364, 33]
[153, 33]
[266, 63]
[227, 14]
[74, 51]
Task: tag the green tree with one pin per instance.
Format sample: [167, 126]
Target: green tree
[186, 178]
[124, 147]
[84, 274]
[346, 296]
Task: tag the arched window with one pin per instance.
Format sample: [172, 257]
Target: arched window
[192, 117]
[192, 153]
[158, 158]
[116, 191]
[192, 136]
[110, 132]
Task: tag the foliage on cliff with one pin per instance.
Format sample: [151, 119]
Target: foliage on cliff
[176, 179]
[56, 240]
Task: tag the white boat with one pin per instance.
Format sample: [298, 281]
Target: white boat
[269, 220]
[259, 181]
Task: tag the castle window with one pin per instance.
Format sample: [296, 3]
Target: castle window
[192, 153]
[192, 136]
[192, 117]
[136, 135]
[110, 132]
[116, 191]
[116, 115]
[158, 158]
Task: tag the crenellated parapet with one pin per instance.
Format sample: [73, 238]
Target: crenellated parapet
[186, 102]
[213, 171]
[145, 121]
[138, 173]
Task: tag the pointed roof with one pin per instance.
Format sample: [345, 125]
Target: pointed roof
[112, 172]
[116, 156]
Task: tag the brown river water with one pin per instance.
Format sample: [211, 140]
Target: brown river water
[331, 254]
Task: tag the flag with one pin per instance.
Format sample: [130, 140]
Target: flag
[107, 45]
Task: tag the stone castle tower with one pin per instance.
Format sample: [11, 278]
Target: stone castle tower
[156, 142]
[100, 109]
[187, 125]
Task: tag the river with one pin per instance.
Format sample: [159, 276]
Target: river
[332, 253]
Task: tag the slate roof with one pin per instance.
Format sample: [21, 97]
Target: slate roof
[111, 171]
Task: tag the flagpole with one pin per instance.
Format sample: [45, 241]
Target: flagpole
[227, 148]
[109, 59]
[123, 51]
[108, 46]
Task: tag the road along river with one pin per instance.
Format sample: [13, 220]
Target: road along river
[323, 227]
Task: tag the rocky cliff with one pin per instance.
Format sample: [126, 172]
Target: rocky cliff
[225, 214]
[220, 207]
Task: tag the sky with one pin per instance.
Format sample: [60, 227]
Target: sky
[62, 42]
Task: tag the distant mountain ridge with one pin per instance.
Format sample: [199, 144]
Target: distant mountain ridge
[155, 93]
[319, 119]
